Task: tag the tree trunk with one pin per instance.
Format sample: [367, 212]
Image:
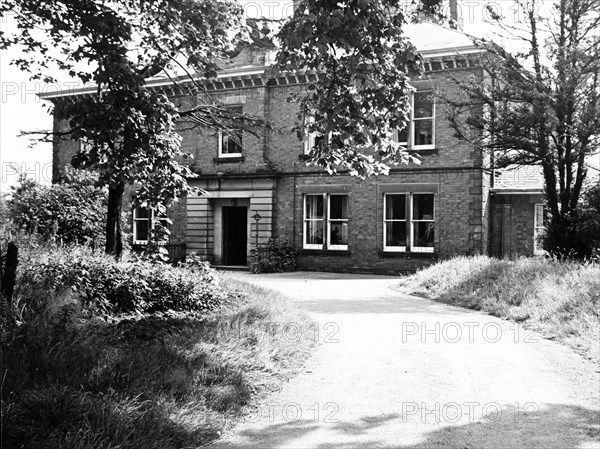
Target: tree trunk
[114, 242]
[9, 273]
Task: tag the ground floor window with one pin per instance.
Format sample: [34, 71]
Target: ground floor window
[326, 221]
[408, 222]
[144, 221]
[540, 220]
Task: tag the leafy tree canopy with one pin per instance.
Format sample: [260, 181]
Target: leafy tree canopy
[541, 105]
[71, 211]
[363, 59]
[357, 47]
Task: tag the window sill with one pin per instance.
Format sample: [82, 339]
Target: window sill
[407, 255]
[224, 160]
[424, 151]
[325, 252]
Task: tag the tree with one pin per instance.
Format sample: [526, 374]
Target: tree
[357, 47]
[363, 61]
[587, 224]
[541, 106]
[71, 210]
[119, 45]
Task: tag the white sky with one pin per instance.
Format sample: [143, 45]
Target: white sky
[21, 109]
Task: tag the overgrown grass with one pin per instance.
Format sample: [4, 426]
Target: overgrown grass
[161, 380]
[561, 299]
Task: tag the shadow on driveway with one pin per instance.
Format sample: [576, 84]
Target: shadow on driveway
[556, 426]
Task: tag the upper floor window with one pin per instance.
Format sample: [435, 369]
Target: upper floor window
[408, 222]
[85, 145]
[326, 221]
[419, 134]
[144, 221]
[313, 139]
[230, 141]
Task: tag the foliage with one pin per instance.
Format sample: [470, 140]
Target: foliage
[541, 106]
[361, 94]
[586, 226]
[557, 299]
[71, 211]
[277, 257]
[128, 126]
[106, 286]
[167, 380]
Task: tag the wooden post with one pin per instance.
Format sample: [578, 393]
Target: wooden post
[9, 273]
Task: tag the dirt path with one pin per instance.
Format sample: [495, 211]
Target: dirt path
[395, 371]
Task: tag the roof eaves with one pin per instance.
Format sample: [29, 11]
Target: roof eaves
[237, 72]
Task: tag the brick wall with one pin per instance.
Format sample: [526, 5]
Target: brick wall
[512, 223]
[461, 208]
[455, 234]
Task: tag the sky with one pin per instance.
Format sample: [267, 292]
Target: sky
[21, 109]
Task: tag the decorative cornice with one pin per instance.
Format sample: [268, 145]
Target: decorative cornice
[264, 76]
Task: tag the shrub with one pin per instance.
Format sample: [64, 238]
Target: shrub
[587, 225]
[277, 257]
[72, 211]
[106, 286]
[150, 381]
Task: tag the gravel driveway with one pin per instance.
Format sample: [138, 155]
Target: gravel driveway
[395, 371]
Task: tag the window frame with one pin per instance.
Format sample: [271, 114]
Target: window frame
[305, 219]
[422, 249]
[409, 222]
[310, 138]
[410, 126]
[401, 249]
[330, 246]
[152, 220]
[326, 221]
[224, 137]
[85, 145]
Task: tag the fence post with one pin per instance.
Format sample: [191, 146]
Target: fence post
[9, 272]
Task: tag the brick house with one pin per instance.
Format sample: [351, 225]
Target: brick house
[448, 205]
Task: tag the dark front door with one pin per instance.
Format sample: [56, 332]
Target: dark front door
[235, 235]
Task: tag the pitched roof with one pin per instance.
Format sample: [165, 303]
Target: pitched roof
[432, 39]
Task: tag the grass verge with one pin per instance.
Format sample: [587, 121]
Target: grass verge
[561, 300]
[163, 380]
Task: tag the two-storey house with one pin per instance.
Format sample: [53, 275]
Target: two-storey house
[260, 188]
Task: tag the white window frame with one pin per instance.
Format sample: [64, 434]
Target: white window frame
[538, 228]
[326, 220]
[408, 221]
[222, 137]
[305, 244]
[309, 141]
[85, 145]
[411, 122]
[151, 224]
[331, 246]
[411, 237]
[391, 220]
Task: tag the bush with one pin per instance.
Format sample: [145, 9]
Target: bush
[277, 257]
[72, 211]
[577, 235]
[106, 286]
[146, 381]
[587, 225]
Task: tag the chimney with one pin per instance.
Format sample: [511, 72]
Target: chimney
[455, 19]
